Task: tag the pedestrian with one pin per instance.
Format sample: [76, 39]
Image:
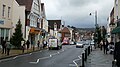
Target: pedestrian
[101, 45]
[28, 44]
[3, 47]
[44, 43]
[106, 46]
[117, 53]
[38, 44]
[23, 46]
[8, 46]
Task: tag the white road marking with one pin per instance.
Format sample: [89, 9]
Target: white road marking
[54, 53]
[15, 57]
[58, 52]
[6, 59]
[75, 62]
[30, 53]
[50, 55]
[72, 65]
[80, 57]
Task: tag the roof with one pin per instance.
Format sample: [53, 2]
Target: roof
[26, 3]
[65, 30]
[51, 24]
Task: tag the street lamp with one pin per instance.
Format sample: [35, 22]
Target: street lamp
[96, 26]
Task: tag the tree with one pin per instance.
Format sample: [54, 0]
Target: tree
[17, 35]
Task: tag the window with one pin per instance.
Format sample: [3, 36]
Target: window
[8, 12]
[116, 2]
[3, 11]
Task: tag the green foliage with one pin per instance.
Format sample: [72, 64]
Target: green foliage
[97, 35]
[17, 36]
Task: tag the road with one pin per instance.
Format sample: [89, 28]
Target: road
[65, 57]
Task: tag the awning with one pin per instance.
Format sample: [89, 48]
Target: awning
[116, 30]
[34, 30]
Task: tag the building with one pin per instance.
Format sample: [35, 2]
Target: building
[18, 13]
[32, 19]
[116, 29]
[53, 27]
[44, 23]
[65, 32]
[6, 8]
[72, 33]
[111, 25]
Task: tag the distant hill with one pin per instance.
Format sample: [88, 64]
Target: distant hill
[84, 30]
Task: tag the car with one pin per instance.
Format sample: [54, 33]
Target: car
[79, 44]
[92, 43]
[72, 43]
[65, 41]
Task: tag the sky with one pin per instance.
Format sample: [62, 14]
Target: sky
[76, 12]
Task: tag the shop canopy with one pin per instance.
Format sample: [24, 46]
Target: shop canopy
[116, 30]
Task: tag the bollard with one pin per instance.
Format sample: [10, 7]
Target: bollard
[83, 65]
[88, 50]
[86, 54]
[91, 48]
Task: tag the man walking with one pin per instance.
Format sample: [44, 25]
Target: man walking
[8, 46]
[3, 47]
[28, 44]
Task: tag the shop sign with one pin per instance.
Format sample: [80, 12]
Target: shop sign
[1, 22]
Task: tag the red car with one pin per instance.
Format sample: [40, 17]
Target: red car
[65, 41]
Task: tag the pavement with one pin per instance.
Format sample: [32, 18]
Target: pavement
[97, 58]
[16, 52]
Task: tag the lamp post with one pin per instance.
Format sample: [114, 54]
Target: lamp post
[96, 27]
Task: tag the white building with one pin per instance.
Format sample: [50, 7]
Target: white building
[18, 12]
[6, 7]
[32, 19]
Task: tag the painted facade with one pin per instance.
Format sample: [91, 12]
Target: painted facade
[6, 8]
[18, 12]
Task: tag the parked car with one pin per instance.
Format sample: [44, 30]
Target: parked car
[79, 44]
[72, 43]
[92, 43]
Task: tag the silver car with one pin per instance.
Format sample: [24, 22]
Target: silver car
[79, 44]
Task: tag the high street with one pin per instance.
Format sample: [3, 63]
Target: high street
[46, 58]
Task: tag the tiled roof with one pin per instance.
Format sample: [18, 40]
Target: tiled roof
[65, 30]
[26, 3]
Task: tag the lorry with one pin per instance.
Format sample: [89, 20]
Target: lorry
[54, 43]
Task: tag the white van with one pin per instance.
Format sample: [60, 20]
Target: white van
[54, 43]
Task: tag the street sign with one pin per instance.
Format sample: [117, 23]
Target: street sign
[1, 22]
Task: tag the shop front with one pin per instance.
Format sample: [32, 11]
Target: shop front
[33, 36]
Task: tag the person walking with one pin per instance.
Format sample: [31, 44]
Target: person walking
[44, 43]
[106, 46]
[101, 45]
[38, 44]
[28, 44]
[8, 46]
[117, 53]
[3, 47]
[23, 46]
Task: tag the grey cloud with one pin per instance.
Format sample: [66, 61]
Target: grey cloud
[76, 12]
